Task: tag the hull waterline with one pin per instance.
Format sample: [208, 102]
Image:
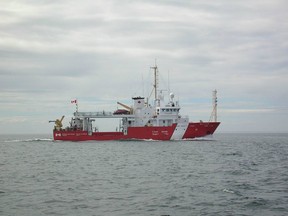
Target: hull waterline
[193, 130]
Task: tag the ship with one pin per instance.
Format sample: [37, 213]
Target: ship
[142, 121]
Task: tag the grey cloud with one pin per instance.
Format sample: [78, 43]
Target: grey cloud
[97, 49]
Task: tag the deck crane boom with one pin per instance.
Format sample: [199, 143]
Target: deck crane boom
[126, 107]
[58, 123]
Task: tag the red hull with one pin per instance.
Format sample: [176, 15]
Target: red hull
[155, 133]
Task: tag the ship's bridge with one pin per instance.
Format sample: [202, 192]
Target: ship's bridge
[167, 110]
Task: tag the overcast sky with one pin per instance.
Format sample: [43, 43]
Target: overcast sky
[100, 52]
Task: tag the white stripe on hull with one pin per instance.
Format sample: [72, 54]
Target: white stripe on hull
[180, 129]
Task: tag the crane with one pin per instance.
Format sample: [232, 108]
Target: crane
[58, 123]
[130, 109]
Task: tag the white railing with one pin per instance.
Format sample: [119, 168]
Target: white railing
[103, 114]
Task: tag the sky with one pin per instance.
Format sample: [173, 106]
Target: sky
[100, 52]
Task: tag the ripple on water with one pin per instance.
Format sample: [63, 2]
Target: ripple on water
[233, 175]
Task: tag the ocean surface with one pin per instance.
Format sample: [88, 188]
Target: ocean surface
[227, 174]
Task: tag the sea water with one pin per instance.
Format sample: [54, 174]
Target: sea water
[227, 174]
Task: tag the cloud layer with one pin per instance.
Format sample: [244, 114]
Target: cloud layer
[101, 52]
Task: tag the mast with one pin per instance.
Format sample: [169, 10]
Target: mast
[76, 103]
[155, 68]
[214, 105]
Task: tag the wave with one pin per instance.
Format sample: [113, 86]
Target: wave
[30, 140]
[140, 140]
[228, 191]
[176, 140]
[38, 139]
[206, 138]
